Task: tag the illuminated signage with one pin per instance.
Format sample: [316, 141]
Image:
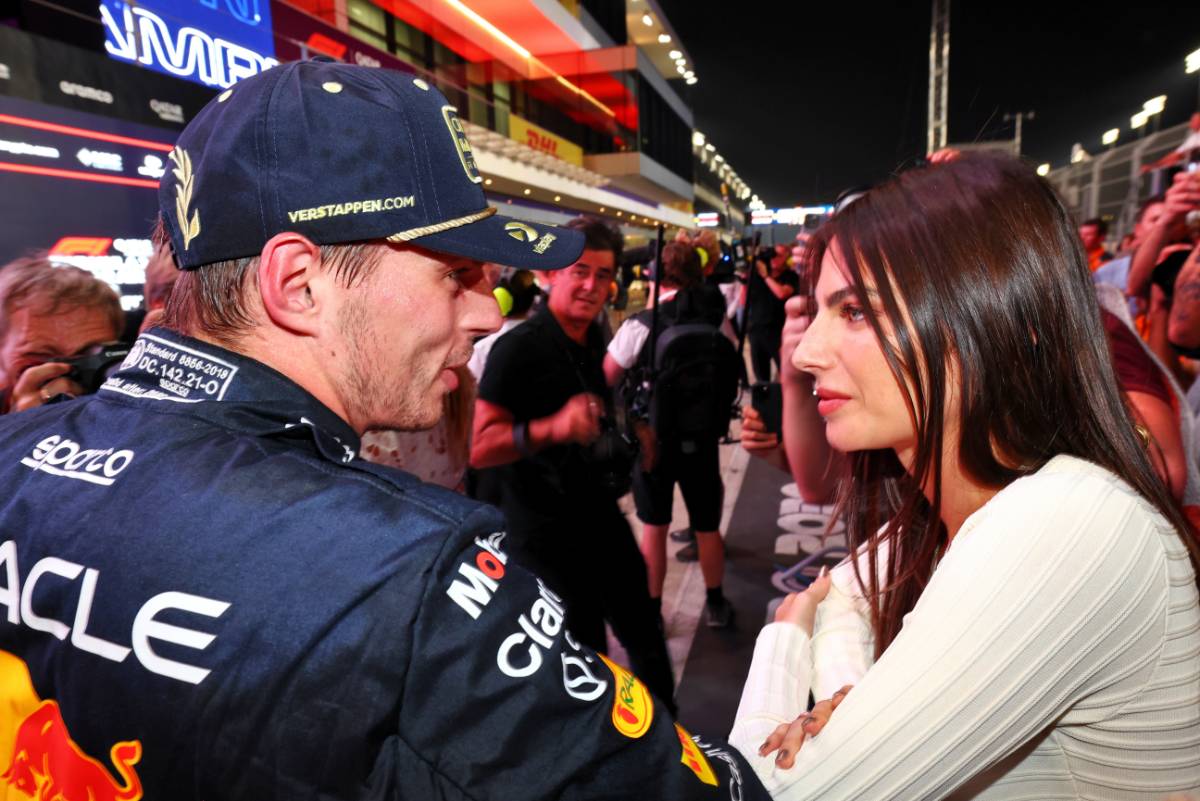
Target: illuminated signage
[168, 112]
[708, 219]
[152, 167]
[82, 207]
[100, 160]
[124, 268]
[792, 216]
[32, 139]
[86, 92]
[543, 141]
[214, 42]
[26, 149]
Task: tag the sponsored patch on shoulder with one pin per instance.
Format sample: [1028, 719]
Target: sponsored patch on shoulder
[694, 758]
[633, 709]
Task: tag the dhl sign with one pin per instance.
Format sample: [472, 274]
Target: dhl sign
[543, 141]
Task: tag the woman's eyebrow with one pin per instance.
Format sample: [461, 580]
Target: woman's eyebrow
[837, 296]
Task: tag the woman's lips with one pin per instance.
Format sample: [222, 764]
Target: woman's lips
[829, 401]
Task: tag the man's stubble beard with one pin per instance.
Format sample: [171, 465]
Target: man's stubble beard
[385, 396]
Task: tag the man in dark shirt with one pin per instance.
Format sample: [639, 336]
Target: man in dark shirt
[771, 284]
[541, 403]
[210, 594]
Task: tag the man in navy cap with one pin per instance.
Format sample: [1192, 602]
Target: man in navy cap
[209, 594]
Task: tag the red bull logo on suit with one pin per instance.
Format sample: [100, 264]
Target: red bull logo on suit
[40, 758]
[47, 765]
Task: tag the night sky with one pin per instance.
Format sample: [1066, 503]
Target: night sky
[806, 99]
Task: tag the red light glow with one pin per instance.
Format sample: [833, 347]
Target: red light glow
[78, 176]
[41, 125]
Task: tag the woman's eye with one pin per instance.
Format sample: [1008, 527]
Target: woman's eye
[852, 312]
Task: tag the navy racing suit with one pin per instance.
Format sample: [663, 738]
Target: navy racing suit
[209, 595]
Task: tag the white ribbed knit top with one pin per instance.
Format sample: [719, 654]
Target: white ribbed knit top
[1055, 654]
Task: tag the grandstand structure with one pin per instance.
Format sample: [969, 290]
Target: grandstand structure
[1112, 184]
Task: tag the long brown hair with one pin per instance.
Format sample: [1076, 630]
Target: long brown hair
[995, 282]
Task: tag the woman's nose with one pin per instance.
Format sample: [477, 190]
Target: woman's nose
[812, 354]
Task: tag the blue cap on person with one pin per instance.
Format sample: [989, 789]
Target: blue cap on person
[339, 153]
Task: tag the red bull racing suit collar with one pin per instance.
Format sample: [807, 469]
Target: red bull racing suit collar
[231, 390]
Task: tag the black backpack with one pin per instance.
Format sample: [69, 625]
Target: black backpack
[690, 391]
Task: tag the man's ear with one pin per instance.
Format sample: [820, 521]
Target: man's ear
[290, 280]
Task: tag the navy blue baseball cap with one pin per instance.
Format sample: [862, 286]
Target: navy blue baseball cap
[339, 153]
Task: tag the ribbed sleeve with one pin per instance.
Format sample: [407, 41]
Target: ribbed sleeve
[843, 645]
[777, 691]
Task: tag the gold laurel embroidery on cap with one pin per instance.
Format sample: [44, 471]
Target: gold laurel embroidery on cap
[426, 230]
[183, 195]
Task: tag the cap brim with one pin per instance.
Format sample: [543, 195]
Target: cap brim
[509, 242]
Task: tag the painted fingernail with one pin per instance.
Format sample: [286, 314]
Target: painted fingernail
[762, 749]
[783, 754]
[824, 570]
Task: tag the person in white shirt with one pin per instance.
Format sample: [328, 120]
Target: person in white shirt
[692, 462]
[1021, 619]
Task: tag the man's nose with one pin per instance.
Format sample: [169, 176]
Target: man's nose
[482, 315]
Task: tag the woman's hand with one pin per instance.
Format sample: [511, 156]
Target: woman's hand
[761, 443]
[788, 737]
[800, 608]
[798, 316]
[755, 437]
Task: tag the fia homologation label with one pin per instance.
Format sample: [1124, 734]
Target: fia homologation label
[182, 373]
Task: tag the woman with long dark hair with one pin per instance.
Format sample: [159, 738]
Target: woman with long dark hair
[1023, 605]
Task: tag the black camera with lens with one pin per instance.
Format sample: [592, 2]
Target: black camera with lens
[93, 369]
[765, 253]
[612, 457]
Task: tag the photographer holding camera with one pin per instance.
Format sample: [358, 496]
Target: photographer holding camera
[52, 319]
[548, 454]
